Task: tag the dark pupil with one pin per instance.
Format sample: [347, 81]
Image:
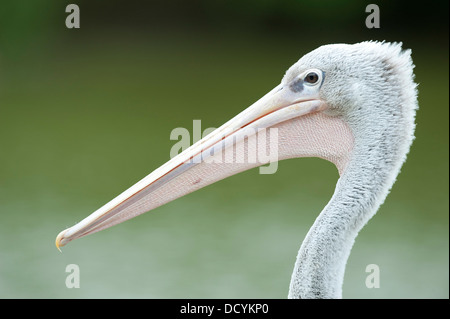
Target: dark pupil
[312, 78]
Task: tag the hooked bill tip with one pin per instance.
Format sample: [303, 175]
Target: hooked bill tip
[59, 239]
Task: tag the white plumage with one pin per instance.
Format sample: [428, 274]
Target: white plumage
[371, 87]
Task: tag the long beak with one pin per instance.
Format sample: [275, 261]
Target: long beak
[190, 170]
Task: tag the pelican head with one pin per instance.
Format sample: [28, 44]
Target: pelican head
[353, 105]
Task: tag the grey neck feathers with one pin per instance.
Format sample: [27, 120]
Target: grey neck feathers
[320, 266]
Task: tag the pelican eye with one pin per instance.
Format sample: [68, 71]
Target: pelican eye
[312, 78]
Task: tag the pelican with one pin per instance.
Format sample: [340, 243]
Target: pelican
[351, 104]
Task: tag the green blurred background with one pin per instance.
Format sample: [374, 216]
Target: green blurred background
[85, 113]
